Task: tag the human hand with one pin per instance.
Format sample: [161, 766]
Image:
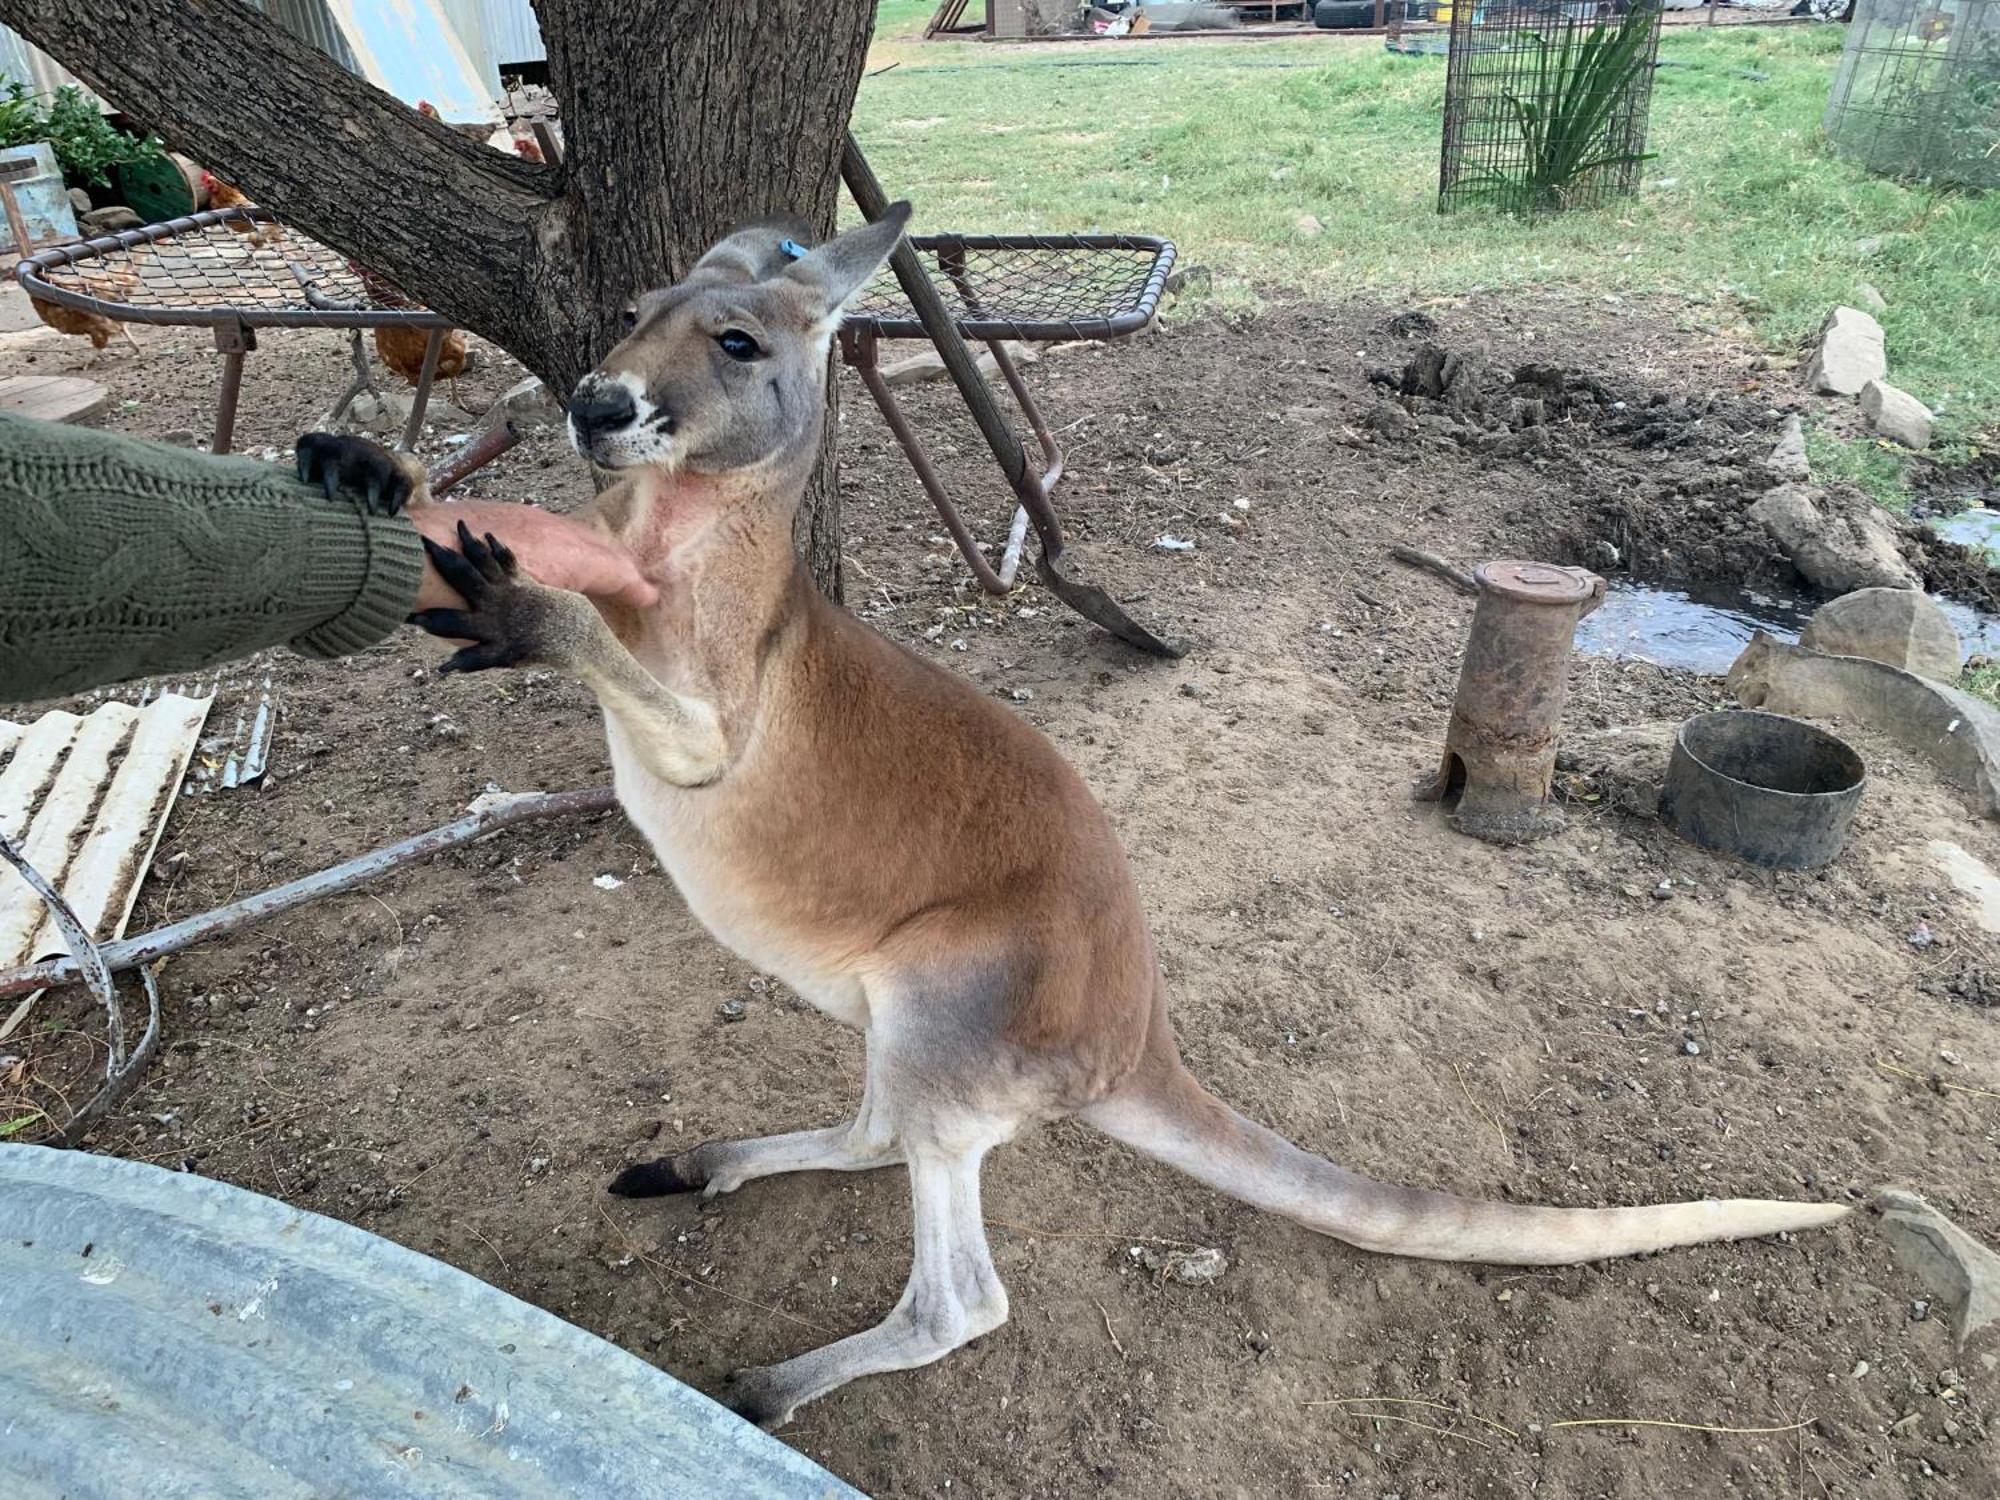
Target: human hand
[552, 549]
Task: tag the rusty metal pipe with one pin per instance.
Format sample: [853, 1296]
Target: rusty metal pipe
[1500, 749]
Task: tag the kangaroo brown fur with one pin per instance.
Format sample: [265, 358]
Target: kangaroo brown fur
[849, 817]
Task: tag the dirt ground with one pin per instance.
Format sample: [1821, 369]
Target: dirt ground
[461, 1056]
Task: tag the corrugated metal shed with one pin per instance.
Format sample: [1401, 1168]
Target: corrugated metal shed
[512, 33]
[181, 1339]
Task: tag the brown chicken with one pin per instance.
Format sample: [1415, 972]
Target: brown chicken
[222, 195]
[108, 285]
[402, 350]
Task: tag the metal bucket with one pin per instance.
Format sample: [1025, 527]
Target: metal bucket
[1773, 790]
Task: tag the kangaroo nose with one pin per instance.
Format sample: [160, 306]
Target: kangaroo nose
[602, 406]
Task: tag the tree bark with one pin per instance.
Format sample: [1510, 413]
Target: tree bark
[681, 119]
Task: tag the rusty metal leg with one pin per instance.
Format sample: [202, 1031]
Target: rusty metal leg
[859, 352]
[433, 346]
[235, 340]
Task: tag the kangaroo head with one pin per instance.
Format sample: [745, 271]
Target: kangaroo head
[726, 369]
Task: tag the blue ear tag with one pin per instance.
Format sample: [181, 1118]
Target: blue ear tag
[793, 248]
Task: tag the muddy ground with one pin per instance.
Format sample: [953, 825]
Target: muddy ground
[460, 1057]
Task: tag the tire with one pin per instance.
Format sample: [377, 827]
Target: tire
[1344, 15]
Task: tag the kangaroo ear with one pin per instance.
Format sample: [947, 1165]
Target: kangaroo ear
[835, 271]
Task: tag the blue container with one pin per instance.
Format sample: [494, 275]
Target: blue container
[37, 184]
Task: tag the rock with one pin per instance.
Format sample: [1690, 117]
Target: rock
[1960, 1272]
[1902, 627]
[1851, 353]
[929, 364]
[732, 1010]
[1837, 553]
[528, 404]
[1897, 415]
[107, 221]
[1189, 1267]
[1869, 298]
[1956, 732]
[1308, 225]
[79, 202]
[389, 412]
[1788, 458]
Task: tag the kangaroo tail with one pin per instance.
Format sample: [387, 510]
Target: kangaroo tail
[1164, 1112]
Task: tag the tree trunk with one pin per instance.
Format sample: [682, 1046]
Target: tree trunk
[681, 118]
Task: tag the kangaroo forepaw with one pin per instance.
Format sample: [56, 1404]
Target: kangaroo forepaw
[358, 466]
[500, 617]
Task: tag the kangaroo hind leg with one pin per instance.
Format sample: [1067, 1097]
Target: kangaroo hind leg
[954, 1295]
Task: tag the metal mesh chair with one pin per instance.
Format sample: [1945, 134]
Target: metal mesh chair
[233, 270]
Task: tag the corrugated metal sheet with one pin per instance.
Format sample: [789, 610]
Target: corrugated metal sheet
[310, 21]
[84, 799]
[181, 1339]
[22, 61]
[512, 33]
[463, 17]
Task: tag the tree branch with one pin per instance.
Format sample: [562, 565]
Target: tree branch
[447, 219]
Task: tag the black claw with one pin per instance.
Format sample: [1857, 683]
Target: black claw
[481, 657]
[502, 554]
[452, 624]
[465, 579]
[651, 1179]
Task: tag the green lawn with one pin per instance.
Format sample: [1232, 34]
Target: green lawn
[1223, 147]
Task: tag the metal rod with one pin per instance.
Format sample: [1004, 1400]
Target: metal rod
[235, 342]
[503, 812]
[433, 347]
[936, 318]
[474, 456]
[913, 449]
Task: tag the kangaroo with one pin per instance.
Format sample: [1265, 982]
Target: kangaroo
[847, 817]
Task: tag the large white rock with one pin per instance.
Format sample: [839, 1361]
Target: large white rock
[1897, 415]
[528, 403]
[1902, 627]
[1852, 352]
[1832, 551]
[1956, 732]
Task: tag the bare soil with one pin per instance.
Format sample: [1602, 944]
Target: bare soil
[460, 1057]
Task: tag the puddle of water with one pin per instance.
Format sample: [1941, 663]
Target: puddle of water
[1704, 627]
[1969, 873]
[1975, 526]
[1699, 627]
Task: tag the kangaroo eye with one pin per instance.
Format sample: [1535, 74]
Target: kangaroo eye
[737, 344]
[630, 318]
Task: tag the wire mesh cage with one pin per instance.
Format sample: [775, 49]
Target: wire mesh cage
[1545, 103]
[1917, 93]
[1417, 28]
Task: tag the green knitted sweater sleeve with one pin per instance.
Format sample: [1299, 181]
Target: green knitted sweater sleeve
[121, 558]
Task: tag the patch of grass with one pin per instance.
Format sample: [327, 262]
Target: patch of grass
[1983, 681]
[1746, 219]
[1877, 468]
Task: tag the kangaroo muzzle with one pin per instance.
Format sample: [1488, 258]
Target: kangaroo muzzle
[614, 425]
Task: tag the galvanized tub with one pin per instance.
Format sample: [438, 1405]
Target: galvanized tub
[165, 1336]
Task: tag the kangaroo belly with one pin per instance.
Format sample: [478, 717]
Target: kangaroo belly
[751, 917]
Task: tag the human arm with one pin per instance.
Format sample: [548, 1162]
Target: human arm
[121, 558]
